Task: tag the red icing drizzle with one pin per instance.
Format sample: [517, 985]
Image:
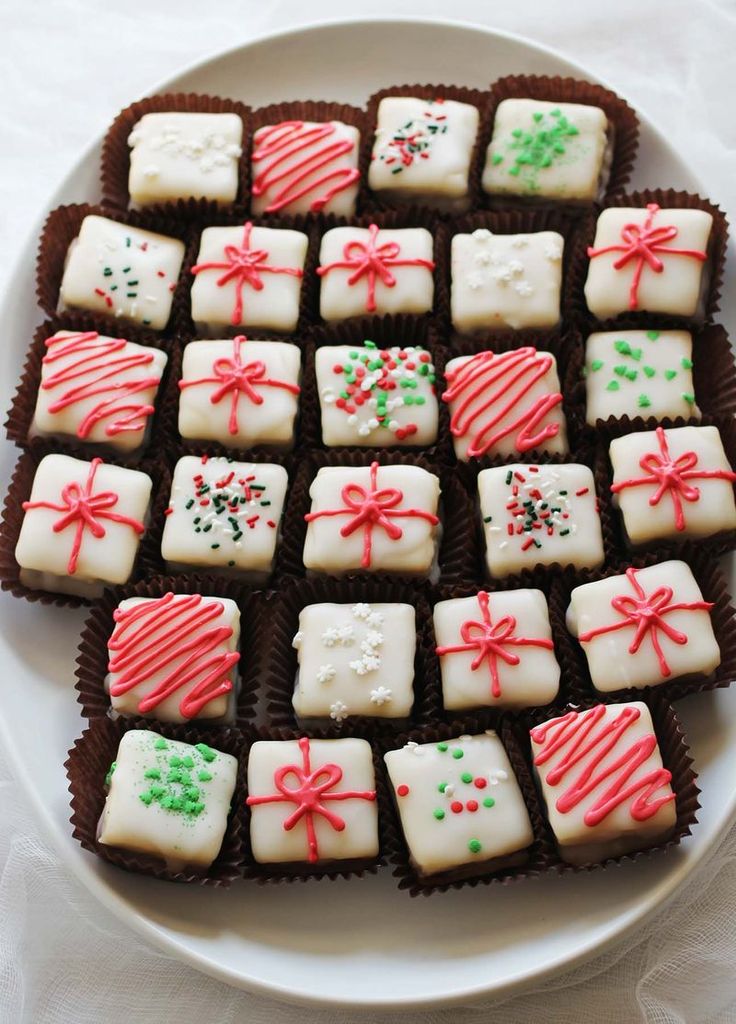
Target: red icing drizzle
[587, 742]
[235, 378]
[488, 639]
[669, 476]
[370, 508]
[98, 361]
[373, 261]
[244, 266]
[278, 143]
[172, 631]
[310, 795]
[492, 378]
[645, 613]
[642, 243]
[81, 506]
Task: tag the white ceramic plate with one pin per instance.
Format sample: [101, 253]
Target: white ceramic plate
[357, 943]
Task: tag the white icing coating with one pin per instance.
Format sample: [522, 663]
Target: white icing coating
[612, 663]
[568, 491]
[247, 376]
[211, 527]
[345, 655]
[410, 416]
[566, 163]
[460, 622]
[502, 281]
[122, 271]
[181, 155]
[272, 843]
[183, 840]
[639, 373]
[422, 151]
[439, 838]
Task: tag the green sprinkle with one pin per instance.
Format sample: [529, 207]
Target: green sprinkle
[207, 752]
[687, 364]
[496, 159]
[635, 354]
[489, 802]
[652, 335]
[632, 374]
[474, 846]
[161, 744]
[442, 787]
[439, 813]
[622, 347]
[620, 370]
[110, 772]
[487, 519]
[466, 777]
[649, 371]
[689, 397]
[669, 374]
[644, 401]
[597, 364]
[152, 773]
[442, 747]
[458, 753]
[613, 385]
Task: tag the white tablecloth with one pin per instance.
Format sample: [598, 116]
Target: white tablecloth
[66, 68]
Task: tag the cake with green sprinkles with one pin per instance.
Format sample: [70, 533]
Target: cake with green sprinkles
[461, 809]
[121, 271]
[167, 799]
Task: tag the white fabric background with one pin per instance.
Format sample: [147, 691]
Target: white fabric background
[66, 68]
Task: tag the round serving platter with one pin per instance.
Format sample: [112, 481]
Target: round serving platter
[358, 943]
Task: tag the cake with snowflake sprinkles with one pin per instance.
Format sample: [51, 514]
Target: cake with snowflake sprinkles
[375, 397]
[422, 151]
[240, 392]
[539, 515]
[649, 259]
[98, 390]
[248, 276]
[305, 167]
[174, 658]
[505, 403]
[644, 627]
[122, 271]
[496, 650]
[673, 484]
[168, 799]
[373, 519]
[639, 373]
[505, 281]
[179, 155]
[603, 782]
[82, 525]
[547, 150]
[312, 802]
[224, 516]
[460, 806]
[375, 270]
[354, 660]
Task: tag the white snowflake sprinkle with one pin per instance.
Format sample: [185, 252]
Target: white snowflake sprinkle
[381, 695]
[325, 673]
[474, 280]
[330, 637]
[361, 611]
[553, 252]
[373, 638]
[523, 288]
[375, 619]
[481, 234]
[339, 711]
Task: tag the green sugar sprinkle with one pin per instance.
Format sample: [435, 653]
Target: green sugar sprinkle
[489, 802]
[442, 787]
[644, 401]
[597, 364]
[687, 364]
[474, 846]
[613, 385]
[652, 335]
[442, 747]
[161, 744]
[649, 371]
[110, 772]
[689, 397]
[458, 753]
[466, 777]
[439, 813]
[669, 374]
[207, 752]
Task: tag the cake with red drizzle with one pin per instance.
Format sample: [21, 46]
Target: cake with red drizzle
[422, 151]
[375, 270]
[168, 800]
[240, 392]
[82, 526]
[673, 484]
[644, 627]
[98, 390]
[122, 271]
[506, 403]
[305, 167]
[224, 517]
[649, 259]
[174, 658]
[496, 650]
[604, 785]
[376, 397]
[312, 802]
[248, 276]
[373, 519]
[460, 806]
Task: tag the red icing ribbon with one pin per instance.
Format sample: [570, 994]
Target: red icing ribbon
[373, 261]
[492, 378]
[488, 639]
[644, 613]
[372, 508]
[669, 476]
[236, 378]
[642, 243]
[82, 507]
[244, 266]
[310, 792]
[172, 632]
[278, 143]
[586, 743]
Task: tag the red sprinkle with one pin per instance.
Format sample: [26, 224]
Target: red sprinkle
[456, 807]
[402, 790]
